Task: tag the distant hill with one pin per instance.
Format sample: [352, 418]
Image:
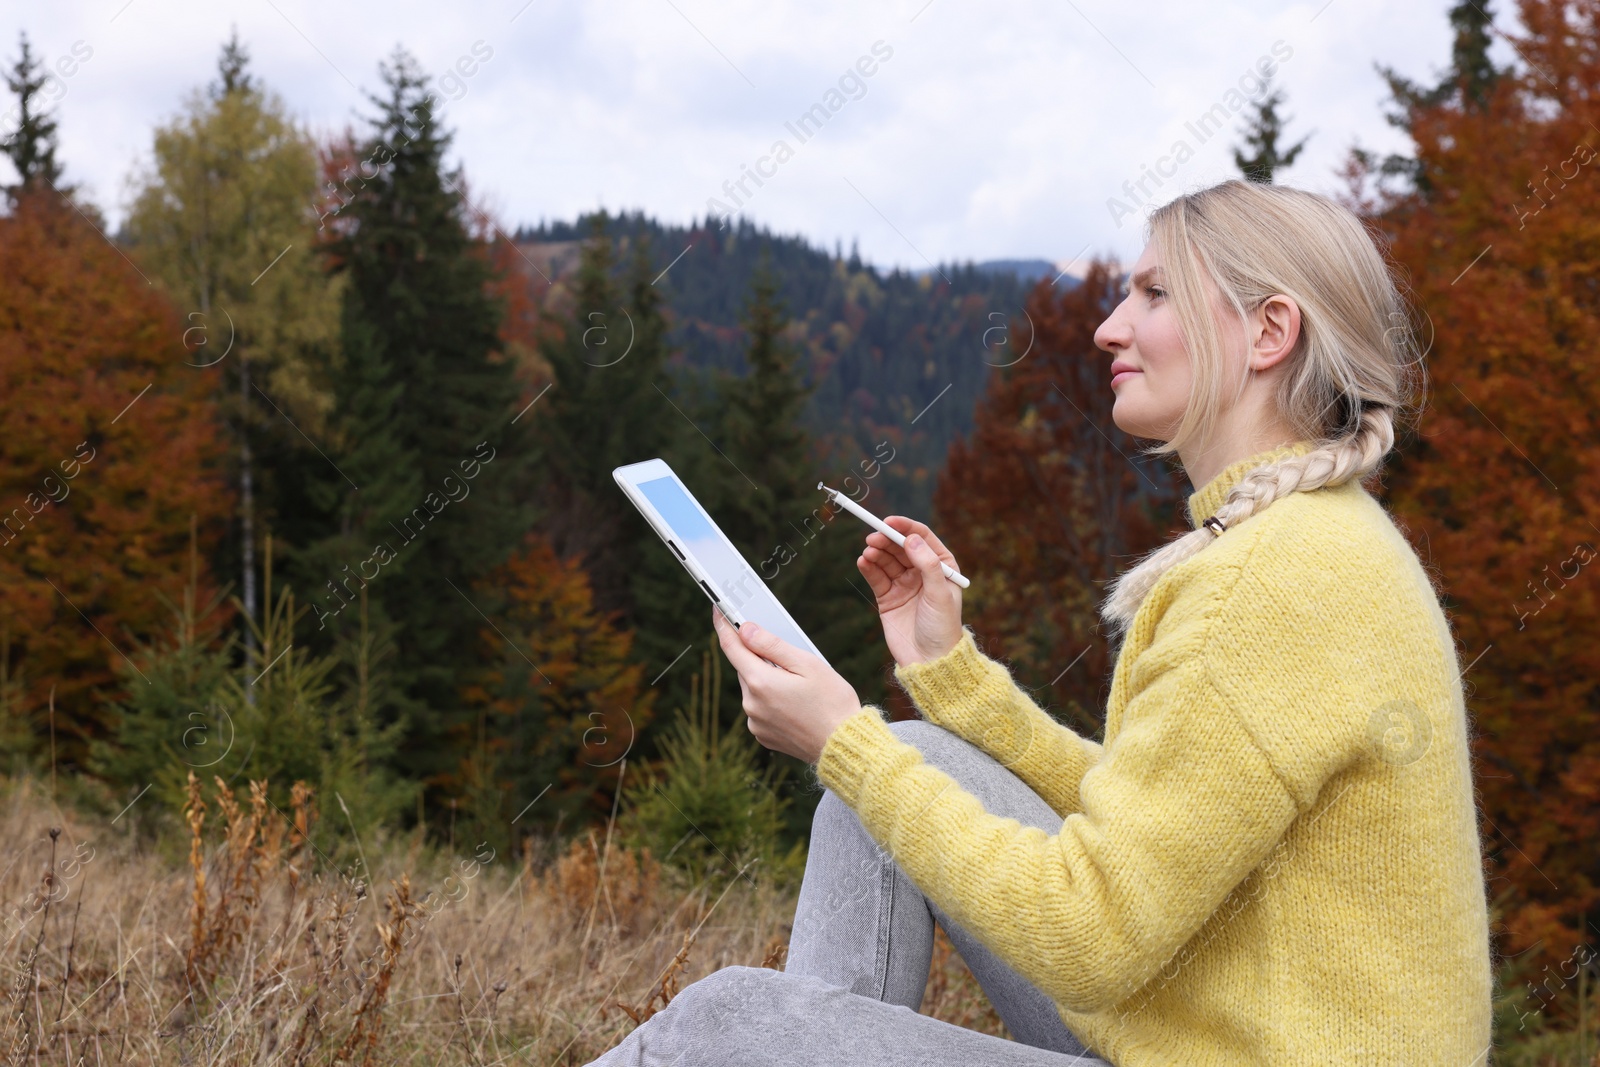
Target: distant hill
[897, 356]
[1026, 271]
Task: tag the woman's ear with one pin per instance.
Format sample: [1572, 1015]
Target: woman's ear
[1275, 331]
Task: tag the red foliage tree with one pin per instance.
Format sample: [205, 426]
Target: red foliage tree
[560, 704]
[108, 450]
[1048, 500]
[1501, 490]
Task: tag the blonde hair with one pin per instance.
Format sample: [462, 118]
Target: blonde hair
[1350, 376]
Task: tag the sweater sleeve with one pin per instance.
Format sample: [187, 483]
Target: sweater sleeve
[1180, 809]
[974, 697]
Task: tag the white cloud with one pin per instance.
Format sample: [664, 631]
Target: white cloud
[990, 133]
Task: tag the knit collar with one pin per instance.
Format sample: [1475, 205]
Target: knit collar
[1204, 504]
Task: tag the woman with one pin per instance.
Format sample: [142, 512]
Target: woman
[1274, 857]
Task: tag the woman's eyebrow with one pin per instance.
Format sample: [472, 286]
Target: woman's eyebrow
[1141, 278]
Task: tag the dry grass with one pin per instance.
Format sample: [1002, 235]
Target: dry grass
[249, 947]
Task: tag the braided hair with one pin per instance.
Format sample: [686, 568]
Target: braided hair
[1354, 457]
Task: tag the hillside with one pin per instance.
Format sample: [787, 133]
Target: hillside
[899, 356]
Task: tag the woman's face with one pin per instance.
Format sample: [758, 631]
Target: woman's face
[1150, 372]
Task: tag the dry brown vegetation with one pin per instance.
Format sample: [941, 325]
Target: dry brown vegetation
[247, 945]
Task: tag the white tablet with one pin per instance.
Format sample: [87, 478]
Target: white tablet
[705, 551]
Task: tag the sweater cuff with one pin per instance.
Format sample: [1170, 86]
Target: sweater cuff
[856, 751]
[951, 679]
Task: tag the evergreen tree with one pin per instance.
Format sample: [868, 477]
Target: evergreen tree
[760, 425]
[891, 356]
[1471, 74]
[177, 722]
[426, 492]
[282, 721]
[614, 403]
[608, 408]
[1466, 84]
[708, 807]
[233, 78]
[1261, 137]
[31, 147]
[767, 501]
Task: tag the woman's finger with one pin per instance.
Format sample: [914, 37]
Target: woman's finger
[768, 646]
[877, 580]
[912, 526]
[891, 566]
[890, 550]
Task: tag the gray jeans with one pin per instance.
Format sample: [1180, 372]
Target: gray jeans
[858, 961]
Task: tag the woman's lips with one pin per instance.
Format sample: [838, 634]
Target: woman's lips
[1121, 371]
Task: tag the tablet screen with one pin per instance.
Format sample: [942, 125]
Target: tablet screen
[736, 582]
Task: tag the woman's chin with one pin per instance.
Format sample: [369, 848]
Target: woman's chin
[1126, 417]
[1140, 424]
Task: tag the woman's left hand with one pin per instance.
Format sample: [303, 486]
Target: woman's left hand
[793, 707]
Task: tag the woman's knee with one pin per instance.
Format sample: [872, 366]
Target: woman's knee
[941, 748]
[735, 999]
[719, 993]
[977, 771]
[831, 813]
[920, 731]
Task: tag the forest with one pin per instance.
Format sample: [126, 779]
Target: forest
[308, 376]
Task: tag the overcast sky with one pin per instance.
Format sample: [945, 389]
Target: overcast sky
[981, 132]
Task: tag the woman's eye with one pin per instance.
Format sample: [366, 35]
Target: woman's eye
[1153, 291]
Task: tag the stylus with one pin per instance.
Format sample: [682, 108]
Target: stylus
[888, 531]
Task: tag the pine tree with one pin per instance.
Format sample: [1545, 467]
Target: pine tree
[764, 495]
[426, 491]
[1261, 137]
[609, 406]
[614, 403]
[1470, 77]
[1467, 85]
[233, 77]
[283, 719]
[708, 807]
[176, 723]
[31, 147]
[760, 425]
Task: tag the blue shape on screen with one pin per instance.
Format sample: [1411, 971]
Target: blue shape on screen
[737, 584]
[679, 511]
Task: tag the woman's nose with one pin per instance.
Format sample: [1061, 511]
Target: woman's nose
[1113, 334]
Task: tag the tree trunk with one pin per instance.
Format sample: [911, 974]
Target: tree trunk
[246, 519]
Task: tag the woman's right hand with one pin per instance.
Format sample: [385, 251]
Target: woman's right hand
[919, 606]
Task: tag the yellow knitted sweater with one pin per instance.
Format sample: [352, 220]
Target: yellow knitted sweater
[1274, 858]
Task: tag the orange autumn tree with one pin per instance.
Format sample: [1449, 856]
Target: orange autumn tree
[1047, 500]
[108, 449]
[1501, 490]
[559, 704]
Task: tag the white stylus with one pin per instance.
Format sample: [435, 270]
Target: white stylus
[888, 531]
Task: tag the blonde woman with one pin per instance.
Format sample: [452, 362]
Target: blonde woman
[1273, 859]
